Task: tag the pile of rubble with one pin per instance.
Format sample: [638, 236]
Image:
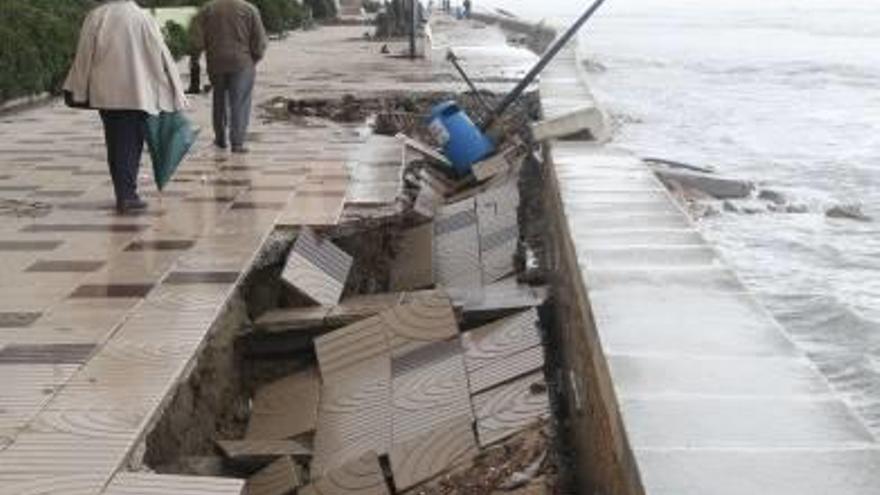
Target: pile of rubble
[436, 385]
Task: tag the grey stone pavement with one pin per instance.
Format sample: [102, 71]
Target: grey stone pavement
[101, 315]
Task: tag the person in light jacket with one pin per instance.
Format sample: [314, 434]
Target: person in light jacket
[124, 69]
[234, 40]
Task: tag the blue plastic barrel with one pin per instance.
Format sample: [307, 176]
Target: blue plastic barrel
[463, 142]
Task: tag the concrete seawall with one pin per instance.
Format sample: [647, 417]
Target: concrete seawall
[679, 382]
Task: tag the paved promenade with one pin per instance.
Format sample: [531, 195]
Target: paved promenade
[101, 315]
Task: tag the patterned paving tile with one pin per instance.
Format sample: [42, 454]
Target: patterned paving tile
[505, 369]
[279, 478]
[161, 484]
[495, 341]
[362, 476]
[317, 268]
[508, 409]
[61, 454]
[433, 452]
[182, 278]
[45, 353]
[285, 408]
[17, 319]
[429, 387]
[75, 266]
[161, 245]
[51, 484]
[12, 245]
[112, 290]
[85, 228]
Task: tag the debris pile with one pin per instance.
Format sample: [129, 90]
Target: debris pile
[433, 384]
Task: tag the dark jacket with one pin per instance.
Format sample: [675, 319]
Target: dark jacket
[232, 35]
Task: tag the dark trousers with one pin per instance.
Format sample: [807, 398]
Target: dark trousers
[232, 105]
[195, 75]
[124, 132]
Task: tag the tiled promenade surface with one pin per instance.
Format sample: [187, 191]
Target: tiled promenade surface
[713, 396]
[100, 315]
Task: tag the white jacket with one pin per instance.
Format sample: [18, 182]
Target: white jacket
[122, 63]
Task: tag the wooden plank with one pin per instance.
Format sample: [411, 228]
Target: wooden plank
[317, 268]
[508, 409]
[281, 477]
[413, 266]
[285, 408]
[432, 453]
[307, 319]
[356, 308]
[361, 476]
[314, 320]
[163, 484]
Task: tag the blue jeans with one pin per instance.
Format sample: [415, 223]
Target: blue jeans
[232, 105]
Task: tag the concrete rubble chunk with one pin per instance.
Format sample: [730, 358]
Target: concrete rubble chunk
[281, 477]
[317, 268]
[574, 122]
[285, 408]
[413, 266]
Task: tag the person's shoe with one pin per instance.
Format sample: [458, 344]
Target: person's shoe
[240, 149]
[220, 144]
[130, 206]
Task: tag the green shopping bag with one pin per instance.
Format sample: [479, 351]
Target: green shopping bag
[170, 135]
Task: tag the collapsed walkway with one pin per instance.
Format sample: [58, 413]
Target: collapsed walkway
[102, 316]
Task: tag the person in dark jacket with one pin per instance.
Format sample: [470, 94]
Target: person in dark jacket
[234, 41]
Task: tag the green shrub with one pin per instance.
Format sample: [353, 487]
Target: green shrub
[39, 39]
[280, 15]
[322, 9]
[177, 39]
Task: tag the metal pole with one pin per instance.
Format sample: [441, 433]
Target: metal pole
[450, 55]
[542, 63]
[412, 28]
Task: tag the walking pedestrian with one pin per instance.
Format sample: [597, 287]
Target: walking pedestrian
[234, 41]
[467, 9]
[124, 70]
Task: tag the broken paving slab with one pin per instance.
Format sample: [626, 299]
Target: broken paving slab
[257, 453]
[317, 268]
[148, 483]
[413, 265]
[429, 388]
[281, 477]
[506, 410]
[481, 305]
[354, 418]
[457, 246]
[317, 320]
[503, 350]
[362, 476]
[356, 407]
[435, 451]
[285, 408]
